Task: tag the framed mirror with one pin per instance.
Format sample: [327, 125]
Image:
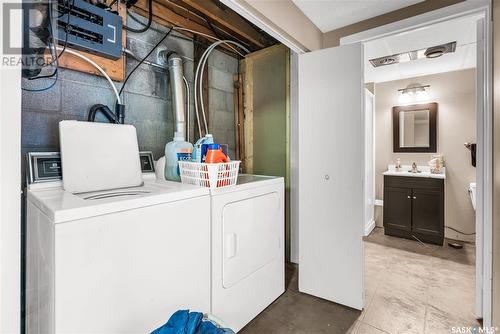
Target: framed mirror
[415, 128]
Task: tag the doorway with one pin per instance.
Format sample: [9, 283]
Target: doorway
[482, 236]
[483, 124]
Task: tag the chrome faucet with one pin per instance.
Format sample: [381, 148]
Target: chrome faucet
[414, 168]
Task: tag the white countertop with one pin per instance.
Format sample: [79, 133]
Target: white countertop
[405, 171]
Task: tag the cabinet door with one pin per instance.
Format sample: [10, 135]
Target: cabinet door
[397, 208]
[428, 215]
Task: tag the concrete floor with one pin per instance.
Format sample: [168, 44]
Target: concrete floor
[410, 288]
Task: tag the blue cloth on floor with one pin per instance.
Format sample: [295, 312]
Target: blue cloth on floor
[185, 322]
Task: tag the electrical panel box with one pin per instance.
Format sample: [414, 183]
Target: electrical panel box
[86, 27]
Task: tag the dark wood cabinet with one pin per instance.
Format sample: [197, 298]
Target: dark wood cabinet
[398, 214]
[414, 208]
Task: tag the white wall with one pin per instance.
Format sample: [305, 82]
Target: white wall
[10, 188]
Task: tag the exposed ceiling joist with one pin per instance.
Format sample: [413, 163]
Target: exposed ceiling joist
[166, 17]
[226, 18]
[162, 14]
[207, 17]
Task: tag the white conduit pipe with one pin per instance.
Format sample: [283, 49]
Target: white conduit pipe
[188, 109]
[112, 84]
[199, 74]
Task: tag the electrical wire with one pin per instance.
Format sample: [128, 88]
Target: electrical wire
[176, 28]
[148, 25]
[143, 59]
[210, 37]
[458, 231]
[198, 78]
[67, 27]
[134, 56]
[38, 90]
[91, 62]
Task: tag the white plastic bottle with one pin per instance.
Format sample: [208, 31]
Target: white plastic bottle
[208, 139]
[175, 151]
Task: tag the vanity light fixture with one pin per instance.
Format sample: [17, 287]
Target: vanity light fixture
[414, 94]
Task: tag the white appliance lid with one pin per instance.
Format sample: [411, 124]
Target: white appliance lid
[99, 156]
[62, 206]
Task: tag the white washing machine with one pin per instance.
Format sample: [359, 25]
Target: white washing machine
[248, 270]
[119, 261]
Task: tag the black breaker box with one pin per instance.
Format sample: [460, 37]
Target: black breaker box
[88, 28]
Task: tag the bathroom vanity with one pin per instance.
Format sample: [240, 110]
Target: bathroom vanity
[414, 205]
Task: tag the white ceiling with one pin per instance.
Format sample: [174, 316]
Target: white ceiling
[463, 31]
[329, 15]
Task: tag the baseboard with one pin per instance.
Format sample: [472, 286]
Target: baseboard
[369, 227]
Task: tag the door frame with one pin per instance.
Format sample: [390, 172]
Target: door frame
[10, 178]
[484, 120]
[461, 9]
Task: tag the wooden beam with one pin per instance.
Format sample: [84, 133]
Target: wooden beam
[228, 19]
[162, 14]
[167, 17]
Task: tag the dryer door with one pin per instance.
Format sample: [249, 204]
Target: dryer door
[248, 270]
[251, 236]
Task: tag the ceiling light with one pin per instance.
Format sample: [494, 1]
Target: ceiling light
[413, 94]
[429, 53]
[387, 61]
[435, 51]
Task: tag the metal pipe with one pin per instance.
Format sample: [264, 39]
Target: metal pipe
[188, 108]
[175, 70]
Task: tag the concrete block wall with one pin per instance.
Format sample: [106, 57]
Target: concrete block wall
[147, 97]
[221, 70]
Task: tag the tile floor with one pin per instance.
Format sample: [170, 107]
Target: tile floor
[410, 288]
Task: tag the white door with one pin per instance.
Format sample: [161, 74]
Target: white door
[331, 167]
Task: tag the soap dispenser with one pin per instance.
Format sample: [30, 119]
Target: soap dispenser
[398, 165]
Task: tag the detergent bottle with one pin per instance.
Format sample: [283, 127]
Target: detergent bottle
[175, 151]
[215, 154]
[208, 139]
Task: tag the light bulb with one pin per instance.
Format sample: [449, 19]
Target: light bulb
[422, 95]
[404, 97]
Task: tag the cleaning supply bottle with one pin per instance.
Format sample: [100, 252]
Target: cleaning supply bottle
[215, 154]
[208, 139]
[175, 151]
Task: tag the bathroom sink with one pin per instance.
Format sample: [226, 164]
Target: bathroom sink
[423, 171]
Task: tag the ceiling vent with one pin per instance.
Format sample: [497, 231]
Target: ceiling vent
[430, 53]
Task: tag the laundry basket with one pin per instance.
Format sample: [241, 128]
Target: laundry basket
[209, 175]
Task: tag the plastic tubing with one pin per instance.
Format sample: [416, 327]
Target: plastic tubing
[199, 74]
[112, 84]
